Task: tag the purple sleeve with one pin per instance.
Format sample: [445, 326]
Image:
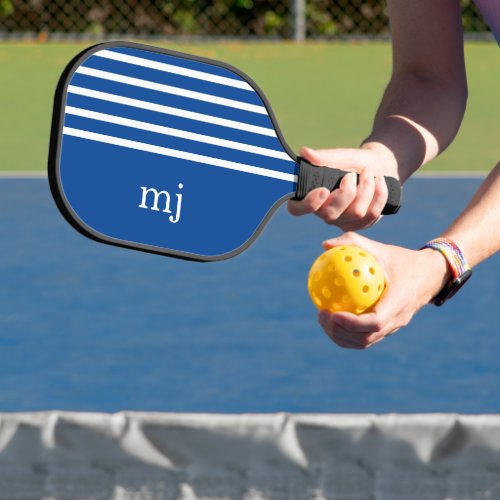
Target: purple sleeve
[490, 9]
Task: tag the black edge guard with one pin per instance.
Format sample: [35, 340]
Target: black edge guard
[312, 177]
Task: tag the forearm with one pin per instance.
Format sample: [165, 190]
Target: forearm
[416, 120]
[424, 103]
[477, 230]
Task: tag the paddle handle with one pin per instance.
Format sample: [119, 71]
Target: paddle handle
[311, 177]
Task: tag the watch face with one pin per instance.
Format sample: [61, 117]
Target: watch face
[451, 288]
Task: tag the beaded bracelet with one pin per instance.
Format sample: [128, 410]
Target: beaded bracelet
[460, 269]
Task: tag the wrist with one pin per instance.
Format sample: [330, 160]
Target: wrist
[385, 155]
[437, 272]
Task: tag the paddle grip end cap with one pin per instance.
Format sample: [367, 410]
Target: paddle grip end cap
[312, 177]
[395, 193]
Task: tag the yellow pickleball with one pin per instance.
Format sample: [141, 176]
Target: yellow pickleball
[346, 278]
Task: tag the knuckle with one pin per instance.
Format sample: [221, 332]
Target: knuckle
[366, 177]
[358, 211]
[365, 343]
[378, 325]
[349, 190]
[329, 215]
[373, 213]
[330, 219]
[372, 339]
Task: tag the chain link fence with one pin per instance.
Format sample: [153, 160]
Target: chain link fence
[284, 19]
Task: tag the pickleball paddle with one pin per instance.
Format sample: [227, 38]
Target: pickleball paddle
[171, 153]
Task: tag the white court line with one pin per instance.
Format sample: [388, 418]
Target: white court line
[23, 174]
[456, 174]
[168, 89]
[207, 160]
[452, 174]
[170, 68]
[160, 108]
[151, 127]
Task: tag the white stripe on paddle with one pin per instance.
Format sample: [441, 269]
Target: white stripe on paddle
[207, 160]
[168, 89]
[160, 129]
[171, 68]
[160, 108]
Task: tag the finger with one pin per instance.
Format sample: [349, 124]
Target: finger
[362, 340]
[344, 344]
[362, 324]
[365, 191]
[385, 318]
[338, 334]
[341, 340]
[311, 203]
[348, 338]
[380, 196]
[338, 201]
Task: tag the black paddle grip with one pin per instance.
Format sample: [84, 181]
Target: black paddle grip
[311, 177]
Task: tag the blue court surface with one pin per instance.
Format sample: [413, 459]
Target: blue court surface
[90, 327]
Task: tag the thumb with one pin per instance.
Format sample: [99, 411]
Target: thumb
[339, 158]
[349, 238]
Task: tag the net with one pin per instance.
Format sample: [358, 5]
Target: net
[159, 456]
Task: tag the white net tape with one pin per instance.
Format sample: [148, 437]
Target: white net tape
[160, 456]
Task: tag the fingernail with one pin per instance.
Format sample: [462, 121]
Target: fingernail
[324, 194]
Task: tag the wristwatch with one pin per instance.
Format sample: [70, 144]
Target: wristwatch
[460, 270]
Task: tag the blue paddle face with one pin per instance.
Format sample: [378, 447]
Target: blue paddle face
[164, 152]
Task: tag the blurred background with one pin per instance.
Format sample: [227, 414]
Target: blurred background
[324, 91]
[278, 19]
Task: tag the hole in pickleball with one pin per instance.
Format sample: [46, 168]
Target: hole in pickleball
[317, 300]
[379, 287]
[337, 306]
[317, 276]
[348, 258]
[372, 270]
[360, 309]
[356, 273]
[362, 254]
[339, 281]
[330, 268]
[327, 293]
[346, 299]
[366, 289]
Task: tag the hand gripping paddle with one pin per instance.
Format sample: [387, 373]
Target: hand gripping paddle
[171, 153]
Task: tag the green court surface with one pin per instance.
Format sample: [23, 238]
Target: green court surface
[324, 95]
